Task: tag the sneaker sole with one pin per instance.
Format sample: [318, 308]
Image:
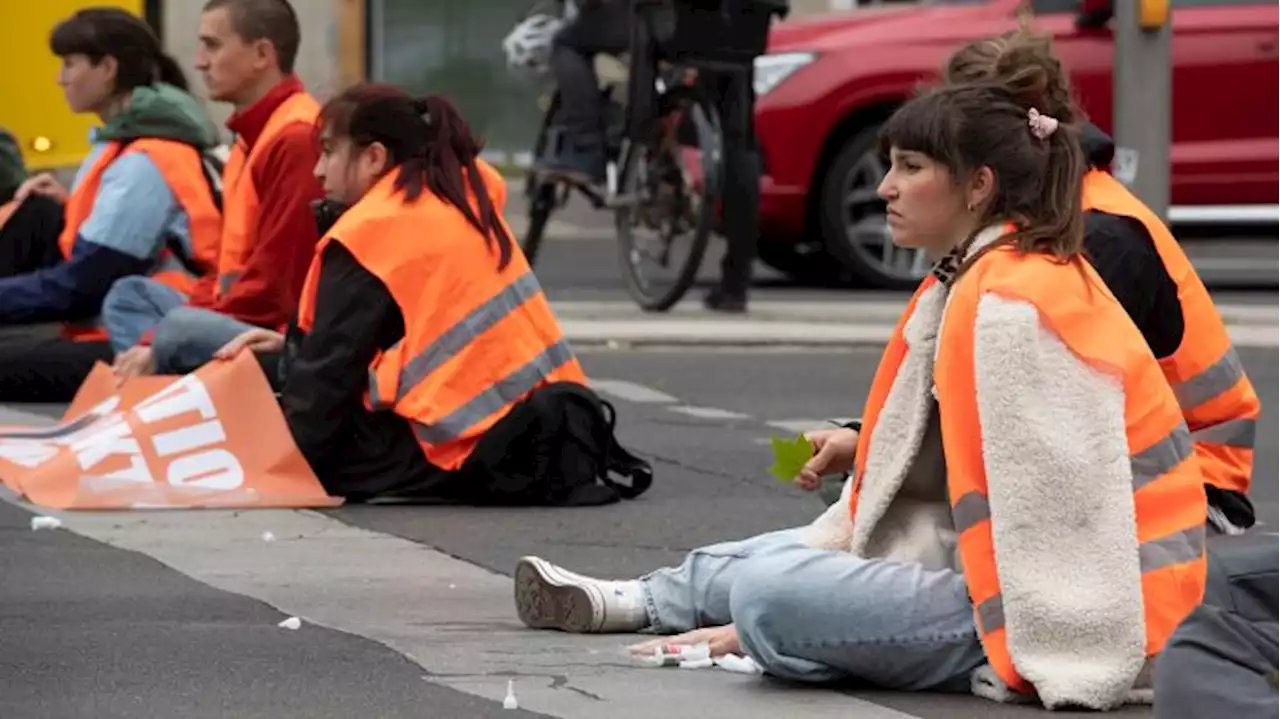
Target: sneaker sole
[542, 602]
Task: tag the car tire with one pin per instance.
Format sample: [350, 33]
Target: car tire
[851, 236]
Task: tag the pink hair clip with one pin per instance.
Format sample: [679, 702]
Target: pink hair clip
[1042, 126]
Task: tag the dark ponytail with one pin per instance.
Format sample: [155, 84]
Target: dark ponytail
[431, 148]
[97, 33]
[169, 72]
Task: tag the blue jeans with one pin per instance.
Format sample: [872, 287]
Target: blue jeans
[816, 616]
[186, 337]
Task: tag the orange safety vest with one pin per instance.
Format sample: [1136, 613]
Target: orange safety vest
[1217, 399]
[1168, 493]
[477, 339]
[183, 171]
[240, 197]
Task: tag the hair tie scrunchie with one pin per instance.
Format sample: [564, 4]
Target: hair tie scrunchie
[1042, 126]
[420, 106]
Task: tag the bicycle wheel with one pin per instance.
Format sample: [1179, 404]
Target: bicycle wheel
[671, 191]
[540, 194]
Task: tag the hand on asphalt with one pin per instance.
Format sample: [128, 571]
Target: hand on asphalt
[722, 641]
[832, 454]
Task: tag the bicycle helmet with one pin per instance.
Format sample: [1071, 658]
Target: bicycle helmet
[528, 46]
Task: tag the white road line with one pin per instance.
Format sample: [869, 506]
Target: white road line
[632, 392]
[709, 412]
[798, 426]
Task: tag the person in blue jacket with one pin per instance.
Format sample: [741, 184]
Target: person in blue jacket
[113, 67]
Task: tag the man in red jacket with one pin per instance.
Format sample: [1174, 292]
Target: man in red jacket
[247, 52]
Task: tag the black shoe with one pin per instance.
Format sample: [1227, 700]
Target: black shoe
[718, 300]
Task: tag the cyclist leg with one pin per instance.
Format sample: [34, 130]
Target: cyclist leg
[734, 96]
[602, 28]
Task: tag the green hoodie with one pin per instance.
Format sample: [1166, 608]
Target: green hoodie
[165, 112]
[13, 171]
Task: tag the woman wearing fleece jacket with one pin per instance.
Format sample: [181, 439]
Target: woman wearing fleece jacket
[1025, 519]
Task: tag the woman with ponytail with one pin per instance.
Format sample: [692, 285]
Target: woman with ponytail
[420, 325]
[141, 203]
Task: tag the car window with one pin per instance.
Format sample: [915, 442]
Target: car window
[1047, 7]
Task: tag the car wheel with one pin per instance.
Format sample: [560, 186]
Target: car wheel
[807, 263]
[854, 226]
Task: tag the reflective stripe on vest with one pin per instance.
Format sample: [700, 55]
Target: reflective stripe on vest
[240, 198]
[181, 167]
[1169, 502]
[1218, 401]
[477, 339]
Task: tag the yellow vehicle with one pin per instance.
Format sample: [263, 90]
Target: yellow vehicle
[31, 105]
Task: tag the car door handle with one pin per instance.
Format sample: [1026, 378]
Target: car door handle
[1267, 47]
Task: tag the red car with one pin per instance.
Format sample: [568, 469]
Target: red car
[827, 84]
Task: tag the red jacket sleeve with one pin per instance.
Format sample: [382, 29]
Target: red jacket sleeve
[267, 292]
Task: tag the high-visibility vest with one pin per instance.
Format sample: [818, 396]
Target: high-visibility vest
[1169, 497]
[1217, 399]
[477, 339]
[183, 171]
[240, 198]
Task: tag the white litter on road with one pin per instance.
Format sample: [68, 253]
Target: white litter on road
[38, 523]
[290, 623]
[268, 537]
[509, 702]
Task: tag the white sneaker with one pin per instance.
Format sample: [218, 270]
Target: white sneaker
[549, 597]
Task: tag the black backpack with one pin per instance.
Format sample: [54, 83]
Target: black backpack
[556, 447]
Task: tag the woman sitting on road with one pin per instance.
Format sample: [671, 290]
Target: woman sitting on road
[421, 325]
[1146, 268]
[1025, 516]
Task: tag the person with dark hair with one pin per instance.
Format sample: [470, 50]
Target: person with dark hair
[13, 170]
[246, 54]
[421, 325]
[1025, 517]
[1147, 270]
[141, 203]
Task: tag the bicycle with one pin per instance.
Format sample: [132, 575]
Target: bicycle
[664, 147]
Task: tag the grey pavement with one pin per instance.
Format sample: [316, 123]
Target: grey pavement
[88, 630]
[432, 582]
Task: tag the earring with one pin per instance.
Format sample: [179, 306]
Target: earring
[970, 207]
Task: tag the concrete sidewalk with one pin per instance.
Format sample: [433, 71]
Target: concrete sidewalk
[787, 323]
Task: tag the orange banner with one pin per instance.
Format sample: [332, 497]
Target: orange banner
[213, 438]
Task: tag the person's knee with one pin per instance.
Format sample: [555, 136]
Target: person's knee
[126, 295]
[180, 328]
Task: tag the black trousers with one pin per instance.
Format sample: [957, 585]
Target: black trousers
[37, 364]
[1218, 664]
[605, 28]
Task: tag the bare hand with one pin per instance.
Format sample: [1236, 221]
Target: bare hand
[254, 340]
[43, 184]
[722, 640]
[832, 454]
[135, 362]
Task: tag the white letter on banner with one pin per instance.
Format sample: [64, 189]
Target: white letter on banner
[211, 469]
[137, 472]
[115, 436]
[185, 395]
[27, 453]
[186, 439]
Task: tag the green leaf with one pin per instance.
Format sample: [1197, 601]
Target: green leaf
[789, 456]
